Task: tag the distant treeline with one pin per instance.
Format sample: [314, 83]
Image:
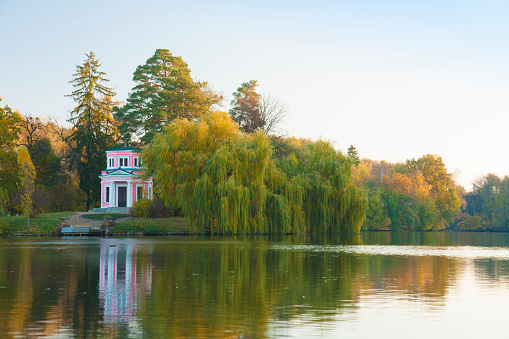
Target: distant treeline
[416, 195]
[421, 195]
[487, 206]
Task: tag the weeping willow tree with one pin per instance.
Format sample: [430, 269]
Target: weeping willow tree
[330, 202]
[227, 182]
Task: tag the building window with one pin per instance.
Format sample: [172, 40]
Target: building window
[123, 161]
[137, 162]
[107, 194]
[139, 193]
[111, 162]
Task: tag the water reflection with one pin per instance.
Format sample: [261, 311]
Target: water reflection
[123, 283]
[249, 286]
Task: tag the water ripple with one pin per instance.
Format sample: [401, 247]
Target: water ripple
[459, 252]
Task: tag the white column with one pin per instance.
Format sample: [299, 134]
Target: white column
[129, 193]
[112, 193]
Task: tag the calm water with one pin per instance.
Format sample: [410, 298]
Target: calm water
[373, 285]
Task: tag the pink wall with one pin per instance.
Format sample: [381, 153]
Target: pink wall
[116, 155]
[134, 185]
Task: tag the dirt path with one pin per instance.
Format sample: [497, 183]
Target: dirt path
[77, 221]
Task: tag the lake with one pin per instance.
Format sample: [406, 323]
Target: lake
[370, 285]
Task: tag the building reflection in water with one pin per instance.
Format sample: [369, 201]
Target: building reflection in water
[125, 278]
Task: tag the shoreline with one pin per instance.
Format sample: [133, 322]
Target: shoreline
[127, 234]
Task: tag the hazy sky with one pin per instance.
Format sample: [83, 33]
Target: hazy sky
[397, 79]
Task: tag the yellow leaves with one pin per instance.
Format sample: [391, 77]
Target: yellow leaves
[398, 183]
[362, 172]
[421, 188]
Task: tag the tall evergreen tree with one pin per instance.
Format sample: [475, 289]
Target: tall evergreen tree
[94, 127]
[352, 152]
[164, 91]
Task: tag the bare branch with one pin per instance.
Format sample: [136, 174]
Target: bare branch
[273, 113]
[32, 129]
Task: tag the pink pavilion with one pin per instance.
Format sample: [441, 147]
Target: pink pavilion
[121, 184]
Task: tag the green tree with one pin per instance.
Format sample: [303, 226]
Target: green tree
[94, 127]
[503, 204]
[47, 164]
[164, 91]
[9, 135]
[427, 213]
[27, 178]
[352, 152]
[9, 128]
[377, 213]
[66, 197]
[4, 199]
[330, 202]
[489, 200]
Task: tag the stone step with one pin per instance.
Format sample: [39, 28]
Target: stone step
[111, 210]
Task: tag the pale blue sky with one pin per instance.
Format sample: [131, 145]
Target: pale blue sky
[397, 79]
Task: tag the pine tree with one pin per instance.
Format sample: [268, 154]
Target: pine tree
[94, 127]
[164, 91]
[352, 152]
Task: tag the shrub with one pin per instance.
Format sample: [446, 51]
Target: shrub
[150, 209]
[141, 208]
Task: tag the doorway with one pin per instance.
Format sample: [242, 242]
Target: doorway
[122, 197]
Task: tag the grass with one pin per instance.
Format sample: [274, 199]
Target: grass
[43, 224]
[152, 226]
[54, 215]
[46, 223]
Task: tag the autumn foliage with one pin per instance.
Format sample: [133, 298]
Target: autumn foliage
[415, 195]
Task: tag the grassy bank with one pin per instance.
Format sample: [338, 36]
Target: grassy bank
[43, 224]
[152, 226]
[46, 223]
